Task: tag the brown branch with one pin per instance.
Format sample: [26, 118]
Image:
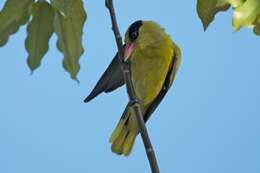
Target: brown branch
[131, 93]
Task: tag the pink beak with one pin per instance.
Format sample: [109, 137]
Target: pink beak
[129, 47]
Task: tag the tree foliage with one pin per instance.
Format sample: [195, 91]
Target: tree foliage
[66, 18]
[246, 13]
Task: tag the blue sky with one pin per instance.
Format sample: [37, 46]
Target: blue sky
[208, 122]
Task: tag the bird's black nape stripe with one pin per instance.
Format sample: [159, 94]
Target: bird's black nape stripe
[133, 30]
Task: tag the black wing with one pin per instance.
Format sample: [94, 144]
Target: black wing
[109, 81]
[166, 85]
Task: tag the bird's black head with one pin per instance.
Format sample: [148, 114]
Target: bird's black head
[134, 30]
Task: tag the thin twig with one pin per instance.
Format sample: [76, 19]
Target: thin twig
[131, 93]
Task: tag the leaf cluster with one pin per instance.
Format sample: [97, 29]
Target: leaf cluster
[66, 18]
[246, 13]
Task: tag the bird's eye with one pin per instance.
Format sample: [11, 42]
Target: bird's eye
[134, 35]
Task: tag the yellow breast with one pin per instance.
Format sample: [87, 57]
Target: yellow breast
[149, 67]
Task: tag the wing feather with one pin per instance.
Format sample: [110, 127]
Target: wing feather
[111, 79]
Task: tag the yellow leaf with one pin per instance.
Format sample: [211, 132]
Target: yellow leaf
[246, 14]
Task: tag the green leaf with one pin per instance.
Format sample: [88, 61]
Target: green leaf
[246, 14]
[39, 30]
[257, 27]
[69, 28]
[61, 6]
[208, 8]
[14, 14]
[221, 3]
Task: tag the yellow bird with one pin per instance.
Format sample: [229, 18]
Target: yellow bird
[154, 60]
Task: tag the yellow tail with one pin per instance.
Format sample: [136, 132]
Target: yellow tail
[123, 137]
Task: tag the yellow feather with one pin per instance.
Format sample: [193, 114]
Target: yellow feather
[117, 145]
[150, 62]
[128, 143]
[117, 130]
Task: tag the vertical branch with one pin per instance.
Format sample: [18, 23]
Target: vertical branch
[131, 93]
